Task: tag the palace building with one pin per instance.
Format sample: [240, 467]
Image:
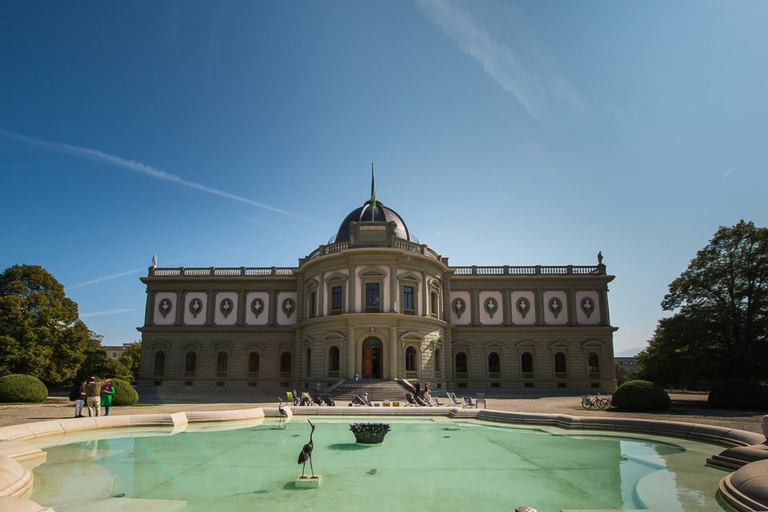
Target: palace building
[375, 304]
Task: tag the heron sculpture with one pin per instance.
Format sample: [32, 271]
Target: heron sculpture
[282, 414]
[306, 453]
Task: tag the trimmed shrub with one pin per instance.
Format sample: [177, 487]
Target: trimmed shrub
[641, 395]
[738, 394]
[124, 393]
[22, 388]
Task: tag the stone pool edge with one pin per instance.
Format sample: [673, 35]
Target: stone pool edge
[746, 489]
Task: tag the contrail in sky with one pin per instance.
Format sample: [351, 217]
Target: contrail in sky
[102, 313]
[137, 271]
[147, 170]
[733, 169]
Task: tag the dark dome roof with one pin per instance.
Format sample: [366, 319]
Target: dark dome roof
[380, 214]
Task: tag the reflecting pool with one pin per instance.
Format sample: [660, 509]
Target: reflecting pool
[456, 465]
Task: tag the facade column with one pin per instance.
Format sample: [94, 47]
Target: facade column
[571, 296]
[351, 352]
[150, 309]
[210, 311]
[424, 295]
[539, 299]
[181, 297]
[474, 304]
[605, 318]
[393, 292]
[241, 307]
[506, 306]
[321, 295]
[351, 290]
[394, 350]
[273, 306]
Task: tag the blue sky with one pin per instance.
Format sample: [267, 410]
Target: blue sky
[241, 133]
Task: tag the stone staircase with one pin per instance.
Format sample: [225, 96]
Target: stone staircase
[378, 391]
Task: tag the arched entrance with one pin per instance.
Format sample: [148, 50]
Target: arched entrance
[373, 359]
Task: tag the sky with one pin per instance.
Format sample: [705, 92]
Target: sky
[241, 133]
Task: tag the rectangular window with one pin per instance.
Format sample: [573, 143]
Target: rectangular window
[371, 297]
[408, 308]
[336, 299]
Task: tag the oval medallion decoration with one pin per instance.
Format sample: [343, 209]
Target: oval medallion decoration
[523, 306]
[588, 306]
[257, 306]
[289, 306]
[555, 306]
[491, 306]
[459, 306]
[165, 306]
[195, 306]
[226, 306]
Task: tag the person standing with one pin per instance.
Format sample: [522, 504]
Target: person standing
[93, 397]
[80, 399]
[106, 395]
[417, 389]
[428, 393]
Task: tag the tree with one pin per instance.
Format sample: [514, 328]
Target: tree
[129, 361]
[720, 326]
[40, 333]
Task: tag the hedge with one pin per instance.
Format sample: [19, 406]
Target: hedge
[738, 394]
[124, 393]
[22, 388]
[640, 395]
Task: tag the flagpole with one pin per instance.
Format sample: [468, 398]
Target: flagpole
[373, 193]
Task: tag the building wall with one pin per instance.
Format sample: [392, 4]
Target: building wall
[476, 311]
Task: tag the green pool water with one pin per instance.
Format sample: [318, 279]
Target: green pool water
[438, 464]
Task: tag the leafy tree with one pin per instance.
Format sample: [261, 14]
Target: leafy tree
[40, 334]
[720, 328]
[129, 361]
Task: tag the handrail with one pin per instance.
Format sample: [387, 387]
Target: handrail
[536, 270]
[220, 272]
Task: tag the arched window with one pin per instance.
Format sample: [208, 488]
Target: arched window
[410, 359]
[494, 365]
[222, 362]
[526, 364]
[286, 365]
[560, 365]
[437, 361]
[334, 356]
[254, 362]
[461, 366]
[191, 364]
[308, 364]
[435, 305]
[159, 363]
[593, 363]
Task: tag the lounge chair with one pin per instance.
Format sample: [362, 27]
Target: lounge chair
[435, 401]
[454, 402]
[468, 402]
[480, 398]
[413, 400]
[363, 400]
[327, 399]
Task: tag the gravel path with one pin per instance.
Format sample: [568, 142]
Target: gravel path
[686, 408]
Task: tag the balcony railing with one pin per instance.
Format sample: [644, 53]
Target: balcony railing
[494, 375]
[527, 375]
[220, 272]
[536, 270]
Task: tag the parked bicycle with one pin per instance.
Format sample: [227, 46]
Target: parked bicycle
[595, 401]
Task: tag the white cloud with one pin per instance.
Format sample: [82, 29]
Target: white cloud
[529, 84]
[621, 118]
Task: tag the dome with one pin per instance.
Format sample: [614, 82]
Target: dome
[380, 214]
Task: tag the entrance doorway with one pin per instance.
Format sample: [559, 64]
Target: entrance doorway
[373, 359]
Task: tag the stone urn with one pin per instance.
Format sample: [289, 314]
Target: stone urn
[369, 433]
